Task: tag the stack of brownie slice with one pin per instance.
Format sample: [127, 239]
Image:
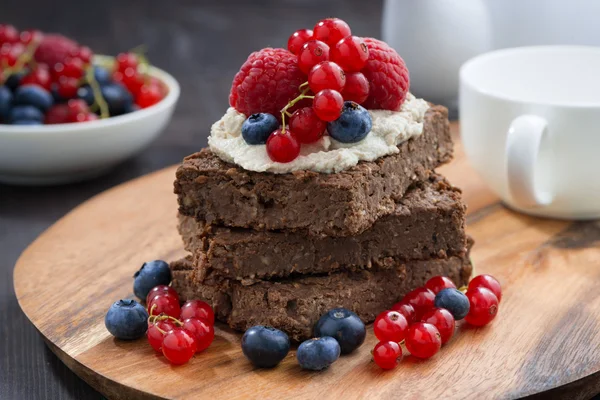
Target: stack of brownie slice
[283, 249]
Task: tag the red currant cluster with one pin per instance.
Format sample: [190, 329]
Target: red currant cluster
[129, 70]
[420, 322]
[59, 67]
[178, 332]
[332, 60]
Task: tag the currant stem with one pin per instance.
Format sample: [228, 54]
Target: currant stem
[98, 99]
[284, 111]
[23, 59]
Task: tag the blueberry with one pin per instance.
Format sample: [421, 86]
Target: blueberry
[86, 94]
[57, 97]
[117, 97]
[352, 126]
[33, 95]
[257, 128]
[317, 354]
[344, 326]
[132, 108]
[102, 75]
[265, 346]
[126, 319]
[454, 301]
[26, 122]
[20, 113]
[14, 80]
[151, 274]
[6, 98]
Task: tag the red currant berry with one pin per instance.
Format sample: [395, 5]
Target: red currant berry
[57, 114]
[438, 283]
[10, 53]
[405, 309]
[77, 106]
[387, 354]
[356, 88]
[148, 95]
[117, 76]
[350, 53]
[297, 39]
[326, 75]
[306, 126]
[328, 104]
[483, 306]
[390, 326]
[312, 53]
[8, 34]
[38, 76]
[72, 68]
[179, 346]
[88, 117]
[84, 53]
[134, 82]
[488, 282]
[443, 320]
[423, 340]
[282, 147]
[154, 334]
[127, 60]
[203, 332]
[164, 304]
[162, 289]
[331, 30]
[29, 36]
[422, 301]
[67, 87]
[198, 309]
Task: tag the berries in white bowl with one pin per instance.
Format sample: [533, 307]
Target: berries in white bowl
[67, 114]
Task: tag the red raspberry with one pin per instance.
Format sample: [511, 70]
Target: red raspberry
[54, 49]
[58, 114]
[387, 75]
[266, 82]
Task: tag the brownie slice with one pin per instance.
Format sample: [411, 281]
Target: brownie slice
[341, 204]
[429, 221]
[295, 305]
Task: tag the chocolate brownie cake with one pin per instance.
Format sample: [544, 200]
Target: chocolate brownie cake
[428, 222]
[338, 204]
[294, 305]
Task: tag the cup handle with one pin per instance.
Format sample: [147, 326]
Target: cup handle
[523, 145]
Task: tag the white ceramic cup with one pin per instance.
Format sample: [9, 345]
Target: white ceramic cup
[530, 124]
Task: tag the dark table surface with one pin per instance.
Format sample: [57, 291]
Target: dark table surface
[201, 43]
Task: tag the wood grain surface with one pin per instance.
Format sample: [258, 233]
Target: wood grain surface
[544, 342]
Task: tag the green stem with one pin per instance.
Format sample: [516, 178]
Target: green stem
[301, 96]
[98, 99]
[23, 60]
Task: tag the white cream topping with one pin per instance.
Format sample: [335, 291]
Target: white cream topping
[390, 128]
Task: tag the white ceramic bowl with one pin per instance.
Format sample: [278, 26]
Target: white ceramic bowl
[52, 154]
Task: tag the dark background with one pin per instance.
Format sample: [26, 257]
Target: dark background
[202, 44]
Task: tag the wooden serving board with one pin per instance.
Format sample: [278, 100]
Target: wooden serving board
[545, 340]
